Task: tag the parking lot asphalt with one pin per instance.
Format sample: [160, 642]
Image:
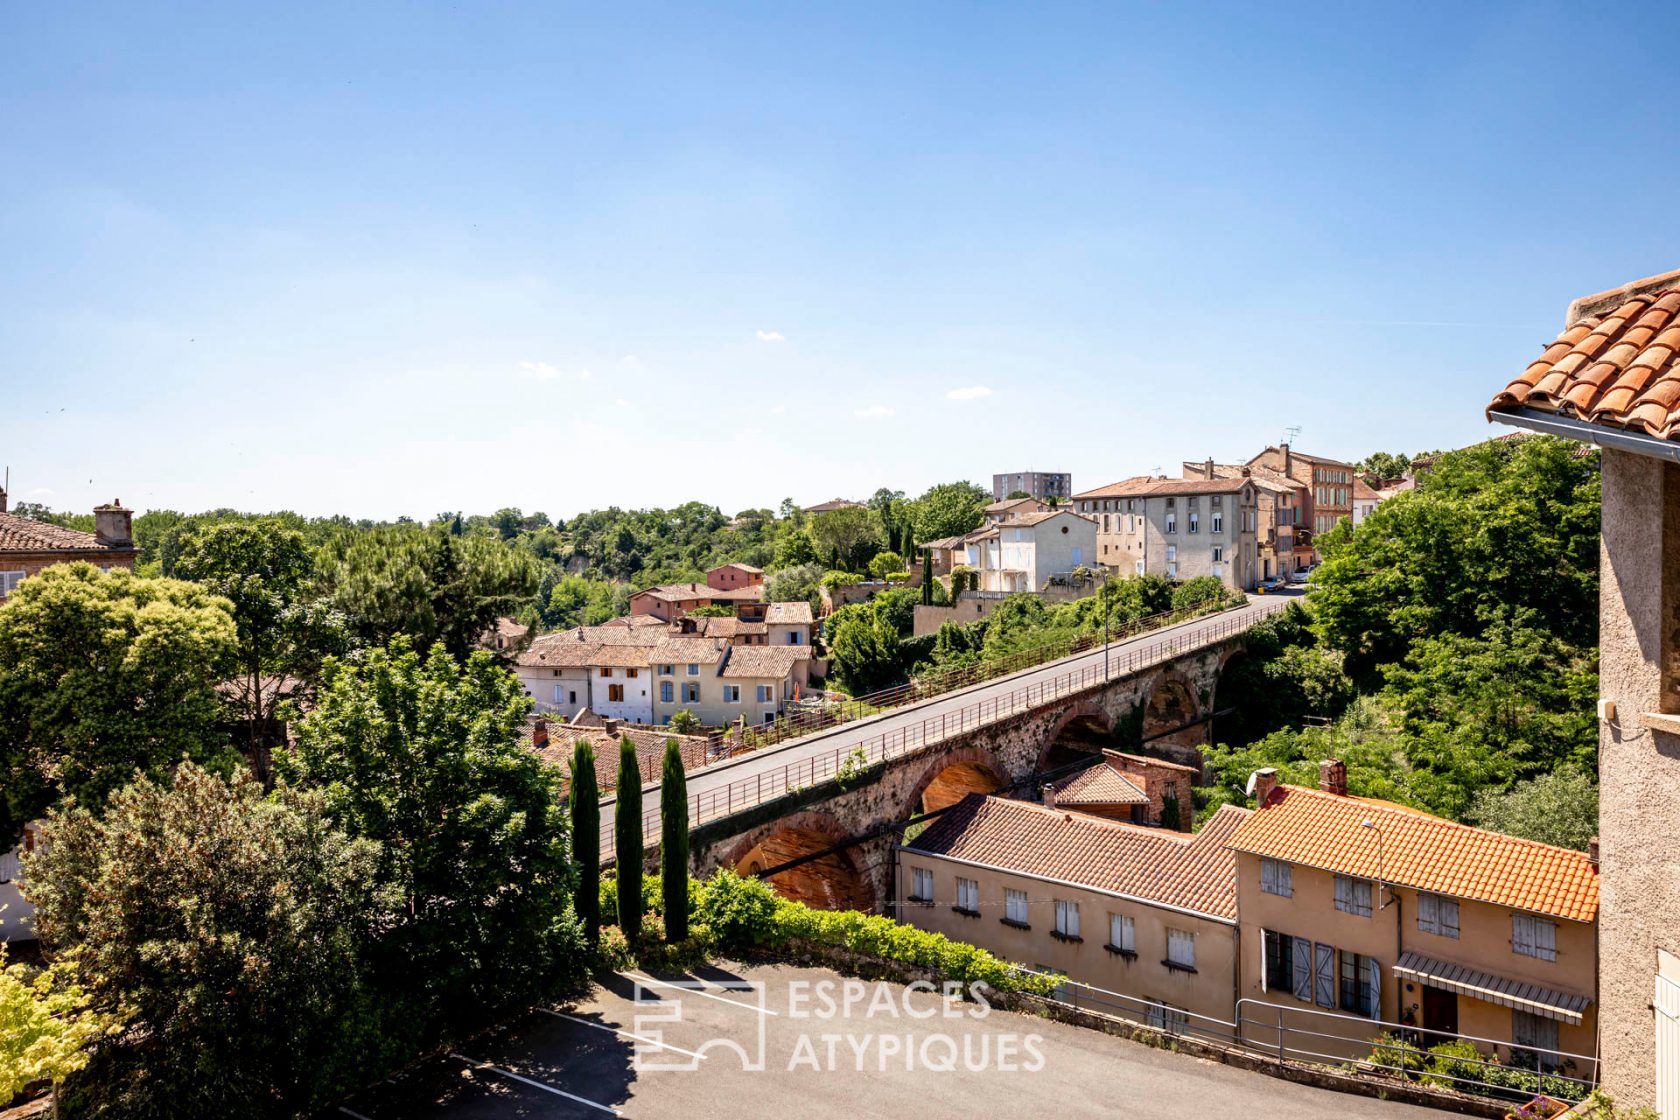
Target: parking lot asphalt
[809, 1044]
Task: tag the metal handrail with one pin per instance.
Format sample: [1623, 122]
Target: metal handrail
[805, 772]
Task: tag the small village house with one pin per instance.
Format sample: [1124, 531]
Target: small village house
[27, 546]
[1026, 553]
[1353, 910]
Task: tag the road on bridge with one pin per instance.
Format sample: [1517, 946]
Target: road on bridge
[733, 785]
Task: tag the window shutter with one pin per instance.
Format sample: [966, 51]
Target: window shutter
[1266, 936]
[1522, 935]
[1344, 893]
[1326, 970]
[1373, 985]
[1449, 917]
[1545, 939]
[1303, 970]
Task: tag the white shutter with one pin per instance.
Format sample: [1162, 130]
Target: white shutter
[1449, 917]
[1545, 939]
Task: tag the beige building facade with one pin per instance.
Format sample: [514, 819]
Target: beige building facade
[1178, 528]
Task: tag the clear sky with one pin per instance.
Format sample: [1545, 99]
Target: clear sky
[399, 258]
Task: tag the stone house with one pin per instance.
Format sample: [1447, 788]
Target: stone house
[1142, 912]
[1128, 787]
[1179, 528]
[27, 545]
[1329, 483]
[1356, 909]
[1284, 543]
[1027, 552]
[1612, 378]
[673, 600]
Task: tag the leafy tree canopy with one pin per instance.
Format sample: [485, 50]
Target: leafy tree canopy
[949, 509]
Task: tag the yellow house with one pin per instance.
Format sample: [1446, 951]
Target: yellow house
[1353, 909]
[1144, 913]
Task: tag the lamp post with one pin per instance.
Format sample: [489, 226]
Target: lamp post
[1107, 606]
[1382, 901]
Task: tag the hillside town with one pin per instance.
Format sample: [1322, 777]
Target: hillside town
[836, 561]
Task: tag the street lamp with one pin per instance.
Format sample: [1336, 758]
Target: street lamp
[1372, 825]
[1107, 606]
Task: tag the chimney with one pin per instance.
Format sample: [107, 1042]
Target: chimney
[114, 525]
[2, 500]
[1049, 796]
[1332, 777]
[611, 726]
[1261, 783]
[539, 734]
[1207, 468]
[1288, 460]
[1592, 852]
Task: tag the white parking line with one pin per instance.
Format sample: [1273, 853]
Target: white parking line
[698, 992]
[353, 1113]
[621, 1034]
[534, 1084]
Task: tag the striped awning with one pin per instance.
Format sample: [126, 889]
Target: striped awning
[1517, 994]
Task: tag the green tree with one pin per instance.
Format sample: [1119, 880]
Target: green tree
[1560, 808]
[797, 549]
[884, 563]
[791, 585]
[927, 577]
[233, 926]
[48, 1023]
[685, 722]
[585, 801]
[103, 674]
[853, 533]
[950, 509]
[1385, 465]
[673, 818]
[863, 649]
[627, 835]
[427, 756]
[1198, 592]
[425, 584]
[263, 568]
[1016, 495]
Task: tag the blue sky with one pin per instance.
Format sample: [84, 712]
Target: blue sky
[397, 259]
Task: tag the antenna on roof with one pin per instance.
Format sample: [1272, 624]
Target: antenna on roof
[1290, 433]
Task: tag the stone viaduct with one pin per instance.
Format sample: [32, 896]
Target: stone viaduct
[1166, 707]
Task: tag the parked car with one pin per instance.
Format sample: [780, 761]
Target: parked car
[1301, 576]
[1274, 584]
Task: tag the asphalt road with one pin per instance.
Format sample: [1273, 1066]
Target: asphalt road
[765, 773]
[764, 1041]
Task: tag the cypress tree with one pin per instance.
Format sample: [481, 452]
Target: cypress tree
[927, 577]
[586, 839]
[627, 837]
[673, 844]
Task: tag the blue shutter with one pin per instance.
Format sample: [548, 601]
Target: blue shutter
[1326, 975]
[1303, 968]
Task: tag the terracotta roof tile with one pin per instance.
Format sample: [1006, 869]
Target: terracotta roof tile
[25, 534]
[1099, 785]
[1615, 364]
[682, 592]
[789, 613]
[1146, 486]
[1324, 830]
[1194, 873]
[763, 662]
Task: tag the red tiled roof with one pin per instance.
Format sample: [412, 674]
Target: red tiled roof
[1325, 830]
[1145, 486]
[650, 749]
[1617, 362]
[1100, 785]
[763, 662]
[683, 592]
[788, 613]
[831, 505]
[1195, 873]
[25, 534]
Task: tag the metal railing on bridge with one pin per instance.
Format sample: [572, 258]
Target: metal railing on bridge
[844, 759]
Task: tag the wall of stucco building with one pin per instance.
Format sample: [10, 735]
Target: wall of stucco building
[1639, 767]
[1207, 991]
[562, 691]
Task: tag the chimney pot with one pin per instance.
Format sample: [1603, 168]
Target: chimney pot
[1332, 777]
[1049, 795]
[113, 524]
[1592, 852]
[611, 726]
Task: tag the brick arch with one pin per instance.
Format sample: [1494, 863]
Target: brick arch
[1173, 699]
[838, 881]
[1081, 709]
[978, 762]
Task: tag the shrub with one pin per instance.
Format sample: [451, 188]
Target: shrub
[741, 913]
[685, 722]
[1198, 592]
[837, 578]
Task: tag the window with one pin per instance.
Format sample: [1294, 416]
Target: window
[1122, 934]
[1218, 554]
[1533, 937]
[9, 582]
[1193, 518]
[1166, 1017]
[1217, 501]
[1105, 523]
[615, 694]
[1534, 1032]
[1172, 522]
[765, 694]
[667, 670]
[1216, 522]
[1360, 985]
[1277, 962]
[1172, 553]
[691, 694]
[1015, 908]
[1067, 920]
[1276, 878]
[693, 669]
[1181, 950]
[606, 672]
[1140, 567]
[968, 897]
[1438, 915]
[1353, 896]
[731, 694]
[665, 693]
[632, 673]
[921, 889]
